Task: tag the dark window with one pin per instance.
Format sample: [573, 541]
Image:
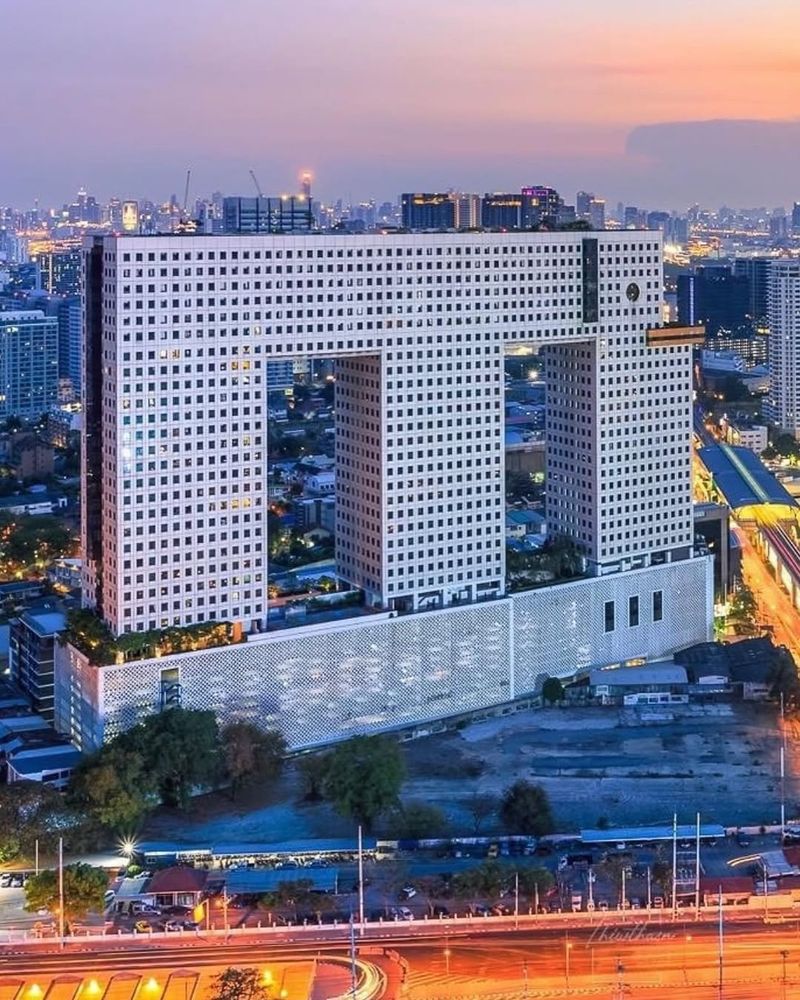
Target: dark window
[591, 302]
[658, 605]
[609, 616]
[633, 611]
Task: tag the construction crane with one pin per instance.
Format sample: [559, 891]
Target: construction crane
[258, 186]
[186, 194]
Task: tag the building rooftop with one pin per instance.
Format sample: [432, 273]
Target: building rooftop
[178, 879]
[60, 760]
[44, 623]
[257, 880]
[742, 478]
[649, 673]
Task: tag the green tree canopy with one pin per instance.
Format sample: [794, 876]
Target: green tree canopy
[552, 690]
[251, 754]
[181, 746]
[418, 820]
[161, 759]
[239, 984]
[365, 777]
[84, 891]
[312, 769]
[30, 811]
[114, 786]
[525, 808]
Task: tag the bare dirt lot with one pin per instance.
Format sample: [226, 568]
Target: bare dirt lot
[627, 766]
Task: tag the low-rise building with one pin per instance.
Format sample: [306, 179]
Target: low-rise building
[32, 504]
[663, 683]
[32, 655]
[752, 436]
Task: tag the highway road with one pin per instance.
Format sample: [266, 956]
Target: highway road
[636, 959]
[774, 604]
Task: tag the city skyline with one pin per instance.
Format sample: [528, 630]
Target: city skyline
[611, 111]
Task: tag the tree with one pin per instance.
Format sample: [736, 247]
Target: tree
[533, 881]
[525, 808]
[30, 811]
[744, 608]
[312, 770]
[552, 690]
[251, 754]
[481, 806]
[84, 891]
[365, 777]
[239, 984]
[114, 786]
[181, 746]
[417, 820]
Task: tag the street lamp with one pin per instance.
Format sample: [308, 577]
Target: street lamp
[447, 961]
[784, 956]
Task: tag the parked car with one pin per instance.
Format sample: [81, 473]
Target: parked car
[5, 880]
[179, 911]
[408, 892]
[479, 910]
[142, 927]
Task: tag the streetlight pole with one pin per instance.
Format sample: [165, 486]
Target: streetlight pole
[360, 880]
[61, 891]
[721, 951]
[567, 949]
[674, 864]
[516, 901]
[697, 870]
[784, 956]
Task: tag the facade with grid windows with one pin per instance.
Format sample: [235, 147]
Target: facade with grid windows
[180, 331]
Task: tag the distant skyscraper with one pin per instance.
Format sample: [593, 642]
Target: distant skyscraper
[284, 214]
[597, 213]
[432, 210]
[28, 363]
[130, 217]
[501, 211]
[583, 203]
[61, 270]
[796, 218]
[714, 298]
[756, 271]
[541, 204]
[305, 184]
[784, 345]
[467, 210]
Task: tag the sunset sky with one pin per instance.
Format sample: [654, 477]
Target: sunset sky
[379, 96]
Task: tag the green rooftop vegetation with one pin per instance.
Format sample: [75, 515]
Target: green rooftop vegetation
[87, 632]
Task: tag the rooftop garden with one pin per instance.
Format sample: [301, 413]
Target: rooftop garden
[87, 632]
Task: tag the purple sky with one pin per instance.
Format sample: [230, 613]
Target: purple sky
[379, 96]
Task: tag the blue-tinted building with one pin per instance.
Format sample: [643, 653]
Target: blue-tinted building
[28, 363]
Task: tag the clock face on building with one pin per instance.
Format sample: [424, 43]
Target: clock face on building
[632, 291]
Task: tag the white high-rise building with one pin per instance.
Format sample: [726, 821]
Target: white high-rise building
[783, 297]
[179, 334]
[178, 355]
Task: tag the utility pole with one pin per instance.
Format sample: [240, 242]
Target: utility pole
[360, 880]
[721, 952]
[784, 956]
[36, 856]
[623, 900]
[353, 968]
[697, 870]
[61, 891]
[674, 864]
[783, 790]
[649, 888]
